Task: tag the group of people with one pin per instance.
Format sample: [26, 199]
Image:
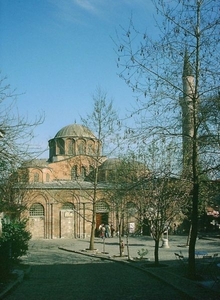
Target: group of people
[106, 230]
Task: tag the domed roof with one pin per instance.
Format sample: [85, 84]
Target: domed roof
[75, 130]
[111, 164]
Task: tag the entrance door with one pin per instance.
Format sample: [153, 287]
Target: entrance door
[36, 227]
[101, 218]
[66, 223]
[98, 220]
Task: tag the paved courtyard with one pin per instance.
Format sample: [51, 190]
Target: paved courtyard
[56, 274]
[66, 274]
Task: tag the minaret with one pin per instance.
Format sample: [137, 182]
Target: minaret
[187, 115]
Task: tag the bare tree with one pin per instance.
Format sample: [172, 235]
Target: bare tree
[16, 134]
[162, 206]
[161, 197]
[123, 194]
[189, 35]
[104, 123]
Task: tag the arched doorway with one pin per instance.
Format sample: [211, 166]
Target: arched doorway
[37, 221]
[102, 214]
[67, 225]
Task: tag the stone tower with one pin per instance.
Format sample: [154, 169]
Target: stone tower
[186, 102]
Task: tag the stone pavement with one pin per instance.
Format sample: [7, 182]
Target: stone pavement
[111, 246]
[173, 274]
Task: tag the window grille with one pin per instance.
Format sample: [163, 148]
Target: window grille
[67, 206]
[37, 210]
[102, 206]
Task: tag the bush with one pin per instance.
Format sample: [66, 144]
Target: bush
[142, 252]
[13, 244]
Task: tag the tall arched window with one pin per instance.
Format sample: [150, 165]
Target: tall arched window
[47, 177]
[36, 210]
[52, 147]
[60, 146]
[69, 146]
[83, 172]
[74, 173]
[36, 177]
[91, 148]
[81, 147]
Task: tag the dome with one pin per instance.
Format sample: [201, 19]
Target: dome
[111, 164]
[119, 170]
[75, 130]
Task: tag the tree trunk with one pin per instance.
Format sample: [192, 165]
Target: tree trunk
[189, 235]
[156, 252]
[128, 250]
[194, 232]
[93, 226]
[120, 240]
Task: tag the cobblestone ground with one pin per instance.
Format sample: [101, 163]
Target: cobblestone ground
[56, 274]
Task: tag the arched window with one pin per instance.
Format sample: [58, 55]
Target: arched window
[60, 146]
[91, 148]
[47, 177]
[36, 177]
[36, 210]
[81, 147]
[74, 173]
[52, 147]
[68, 206]
[70, 146]
[83, 172]
[102, 207]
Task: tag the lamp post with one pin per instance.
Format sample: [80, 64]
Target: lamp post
[165, 241]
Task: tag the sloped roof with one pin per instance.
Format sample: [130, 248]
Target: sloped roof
[35, 163]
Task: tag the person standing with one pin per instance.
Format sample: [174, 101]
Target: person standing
[103, 231]
[107, 231]
[112, 230]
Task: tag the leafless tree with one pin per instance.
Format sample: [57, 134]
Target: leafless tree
[188, 33]
[161, 197]
[16, 145]
[123, 193]
[103, 121]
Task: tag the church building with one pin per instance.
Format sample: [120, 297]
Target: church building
[58, 193]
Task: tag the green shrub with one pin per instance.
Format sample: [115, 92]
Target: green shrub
[13, 244]
[142, 252]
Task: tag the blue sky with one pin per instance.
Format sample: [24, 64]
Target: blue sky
[57, 52]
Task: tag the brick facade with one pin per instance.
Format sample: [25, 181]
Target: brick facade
[58, 194]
